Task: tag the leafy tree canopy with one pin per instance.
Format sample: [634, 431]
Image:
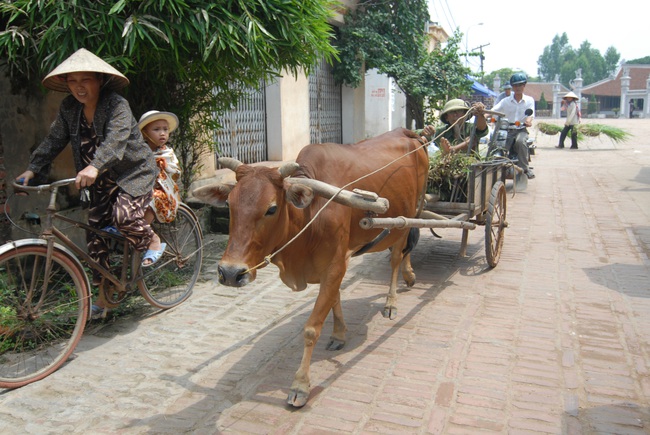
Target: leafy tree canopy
[640, 61]
[560, 59]
[390, 35]
[195, 58]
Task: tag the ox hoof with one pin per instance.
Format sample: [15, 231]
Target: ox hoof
[390, 312]
[410, 281]
[335, 344]
[297, 398]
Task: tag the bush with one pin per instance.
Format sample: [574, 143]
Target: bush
[543, 104]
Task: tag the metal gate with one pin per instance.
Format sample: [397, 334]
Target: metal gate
[324, 106]
[243, 133]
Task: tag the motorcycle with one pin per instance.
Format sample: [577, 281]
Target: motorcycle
[497, 144]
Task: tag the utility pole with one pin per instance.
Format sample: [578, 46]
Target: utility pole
[480, 48]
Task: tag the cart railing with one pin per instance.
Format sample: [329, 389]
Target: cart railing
[477, 189]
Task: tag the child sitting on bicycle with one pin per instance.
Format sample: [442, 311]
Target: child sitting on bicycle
[156, 127]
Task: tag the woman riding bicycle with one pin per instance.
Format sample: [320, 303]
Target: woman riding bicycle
[110, 156]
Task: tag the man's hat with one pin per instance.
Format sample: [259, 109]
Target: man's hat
[83, 60]
[507, 86]
[453, 105]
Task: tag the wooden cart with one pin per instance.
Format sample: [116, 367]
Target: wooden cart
[484, 204]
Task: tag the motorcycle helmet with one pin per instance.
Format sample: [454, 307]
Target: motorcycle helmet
[451, 106]
[518, 78]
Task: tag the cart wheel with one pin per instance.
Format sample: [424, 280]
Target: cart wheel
[495, 223]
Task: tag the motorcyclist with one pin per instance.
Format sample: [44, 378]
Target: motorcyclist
[514, 107]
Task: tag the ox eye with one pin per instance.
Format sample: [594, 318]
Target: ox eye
[271, 211]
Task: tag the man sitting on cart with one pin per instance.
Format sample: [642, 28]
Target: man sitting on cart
[455, 131]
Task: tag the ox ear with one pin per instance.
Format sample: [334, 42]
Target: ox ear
[299, 195]
[213, 194]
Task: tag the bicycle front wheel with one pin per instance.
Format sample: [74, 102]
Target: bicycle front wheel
[43, 311]
[170, 281]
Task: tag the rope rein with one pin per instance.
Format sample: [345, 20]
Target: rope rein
[267, 259]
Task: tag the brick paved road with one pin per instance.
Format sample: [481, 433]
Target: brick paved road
[555, 340]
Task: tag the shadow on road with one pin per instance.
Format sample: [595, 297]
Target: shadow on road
[264, 371]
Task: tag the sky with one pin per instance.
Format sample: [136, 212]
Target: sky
[518, 31]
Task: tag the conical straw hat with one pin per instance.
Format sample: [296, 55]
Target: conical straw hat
[80, 61]
[571, 95]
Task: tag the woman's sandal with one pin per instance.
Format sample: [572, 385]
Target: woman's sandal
[98, 312]
[111, 229]
[153, 256]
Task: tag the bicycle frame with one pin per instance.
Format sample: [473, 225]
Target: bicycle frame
[50, 233]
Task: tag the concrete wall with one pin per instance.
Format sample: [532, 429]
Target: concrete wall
[385, 105]
[24, 123]
[353, 113]
[287, 108]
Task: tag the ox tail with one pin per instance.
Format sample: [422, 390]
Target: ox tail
[368, 246]
[412, 241]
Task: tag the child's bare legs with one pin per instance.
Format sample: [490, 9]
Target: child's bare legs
[149, 216]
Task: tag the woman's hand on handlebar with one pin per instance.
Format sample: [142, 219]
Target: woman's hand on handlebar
[24, 178]
[86, 176]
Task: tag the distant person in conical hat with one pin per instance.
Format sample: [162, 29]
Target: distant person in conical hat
[570, 101]
[110, 156]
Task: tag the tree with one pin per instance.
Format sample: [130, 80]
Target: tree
[543, 104]
[504, 75]
[640, 61]
[195, 58]
[561, 59]
[551, 60]
[389, 35]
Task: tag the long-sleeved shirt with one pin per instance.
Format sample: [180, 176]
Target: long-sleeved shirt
[121, 150]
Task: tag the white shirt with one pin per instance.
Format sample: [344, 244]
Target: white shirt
[515, 111]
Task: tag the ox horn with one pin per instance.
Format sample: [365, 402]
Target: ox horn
[288, 169]
[229, 162]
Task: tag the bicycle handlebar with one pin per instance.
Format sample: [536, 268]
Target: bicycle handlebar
[43, 187]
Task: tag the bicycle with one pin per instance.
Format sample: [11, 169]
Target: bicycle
[45, 293]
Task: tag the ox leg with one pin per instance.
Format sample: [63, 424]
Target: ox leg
[324, 303]
[390, 308]
[407, 271]
[337, 340]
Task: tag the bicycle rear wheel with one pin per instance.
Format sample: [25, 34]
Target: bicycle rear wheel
[43, 311]
[170, 281]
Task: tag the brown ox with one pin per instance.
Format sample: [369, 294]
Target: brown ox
[267, 211]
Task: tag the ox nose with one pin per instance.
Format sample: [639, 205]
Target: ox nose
[233, 275]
